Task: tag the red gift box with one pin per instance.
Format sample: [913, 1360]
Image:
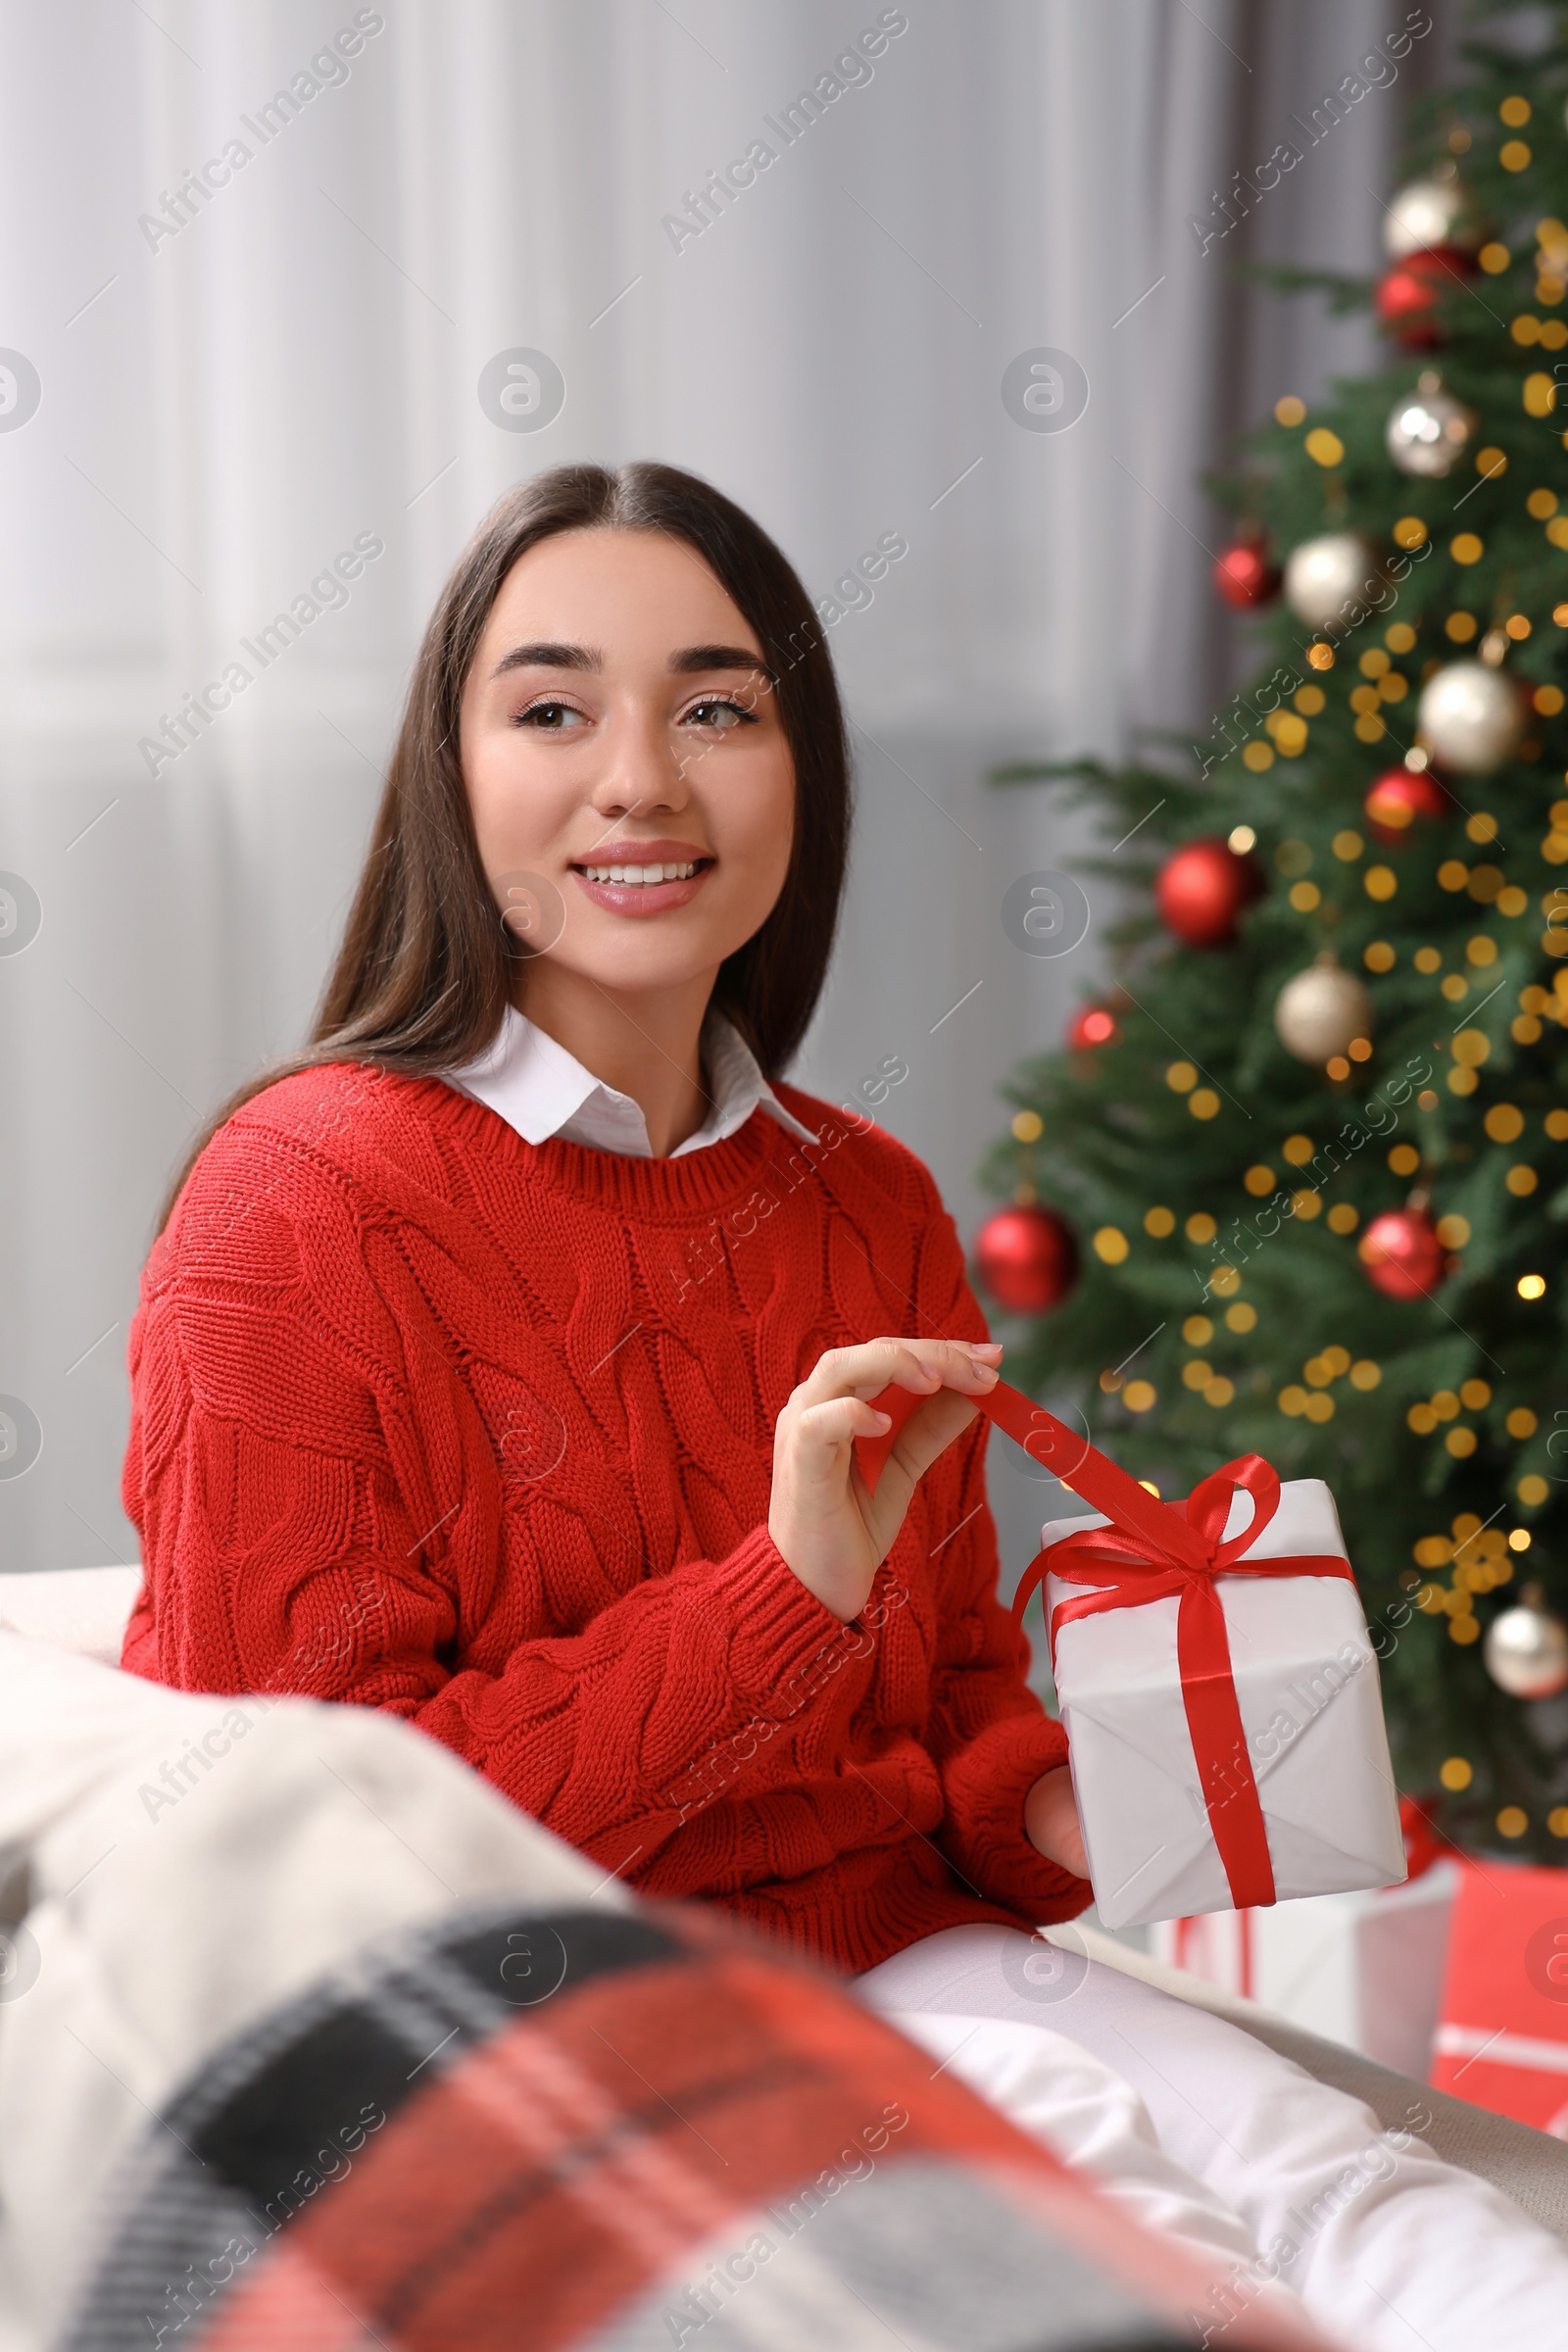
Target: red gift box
[1502, 2032]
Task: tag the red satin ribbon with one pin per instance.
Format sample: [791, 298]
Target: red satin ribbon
[1153, 1550]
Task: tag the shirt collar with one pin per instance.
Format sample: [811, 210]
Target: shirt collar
[542, 1090]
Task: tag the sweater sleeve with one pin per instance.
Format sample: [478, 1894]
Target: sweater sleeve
[304, 1529]
[988, 1733]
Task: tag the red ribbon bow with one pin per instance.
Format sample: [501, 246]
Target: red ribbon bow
[1153, 1550]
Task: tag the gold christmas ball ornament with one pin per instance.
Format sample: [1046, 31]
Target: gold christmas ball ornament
[1322, 1010]
[1432, 213]
[1526, 1649]
[1471, 717]
[1326, 578]
[1429, 430]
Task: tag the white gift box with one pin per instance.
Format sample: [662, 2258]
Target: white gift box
[1311, 1711]
[1363, 1969]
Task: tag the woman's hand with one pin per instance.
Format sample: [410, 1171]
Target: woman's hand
[1051, 1825]
[832, 1533]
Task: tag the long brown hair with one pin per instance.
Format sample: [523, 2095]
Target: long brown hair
[425, 970]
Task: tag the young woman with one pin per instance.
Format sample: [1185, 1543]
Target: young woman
[500, 1362]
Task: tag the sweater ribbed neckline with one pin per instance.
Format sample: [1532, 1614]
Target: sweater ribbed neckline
[694, 1183]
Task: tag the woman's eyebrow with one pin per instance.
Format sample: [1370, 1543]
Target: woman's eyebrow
[546, 656]
[718, 657]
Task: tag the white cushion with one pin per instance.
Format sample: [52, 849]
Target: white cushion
[158, 1929]
[83, 1609]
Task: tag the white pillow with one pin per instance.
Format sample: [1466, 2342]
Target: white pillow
[81, 1610]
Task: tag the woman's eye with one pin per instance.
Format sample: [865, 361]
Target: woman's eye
[551, 718]
[721, 713]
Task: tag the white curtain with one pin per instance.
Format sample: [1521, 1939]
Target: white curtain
[243, 373]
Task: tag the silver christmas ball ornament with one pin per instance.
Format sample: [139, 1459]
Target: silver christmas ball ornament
[1429, 430]
[1526, 1649]
[1471, 717]
[1321, 1010]
[1326, 578]
[1429, 213]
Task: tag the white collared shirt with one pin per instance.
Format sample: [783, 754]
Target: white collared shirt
[542, 1090]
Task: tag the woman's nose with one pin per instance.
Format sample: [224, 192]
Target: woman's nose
[643, 770]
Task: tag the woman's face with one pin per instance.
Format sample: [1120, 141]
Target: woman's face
[632, 790]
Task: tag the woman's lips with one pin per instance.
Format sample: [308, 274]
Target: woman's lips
[657, 878]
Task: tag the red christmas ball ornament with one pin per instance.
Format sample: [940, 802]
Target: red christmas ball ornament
[1244, 575]
[1203, 889]
[1092, 1025]
[1028, 1260]
[1396, 801]
[1403, 1254]
[1407, 294]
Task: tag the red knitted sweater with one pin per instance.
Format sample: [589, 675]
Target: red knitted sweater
[429, 1419]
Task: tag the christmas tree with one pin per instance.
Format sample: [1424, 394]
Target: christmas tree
[1310, 1152]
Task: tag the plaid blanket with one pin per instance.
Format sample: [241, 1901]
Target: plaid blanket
[594, 2129]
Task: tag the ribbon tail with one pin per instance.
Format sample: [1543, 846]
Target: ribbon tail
[1219, 1744]
[1082, 1468]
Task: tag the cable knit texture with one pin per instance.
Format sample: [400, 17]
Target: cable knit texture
[427, 1418]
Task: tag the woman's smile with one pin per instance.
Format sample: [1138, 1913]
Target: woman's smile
[643, 877]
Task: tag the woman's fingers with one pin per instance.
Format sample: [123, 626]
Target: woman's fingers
[921, 1366]
[930, 1432]
[838, 1420]
[926, 1433]
[1051, 1825]
[826, 1526]
[863, 1371]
